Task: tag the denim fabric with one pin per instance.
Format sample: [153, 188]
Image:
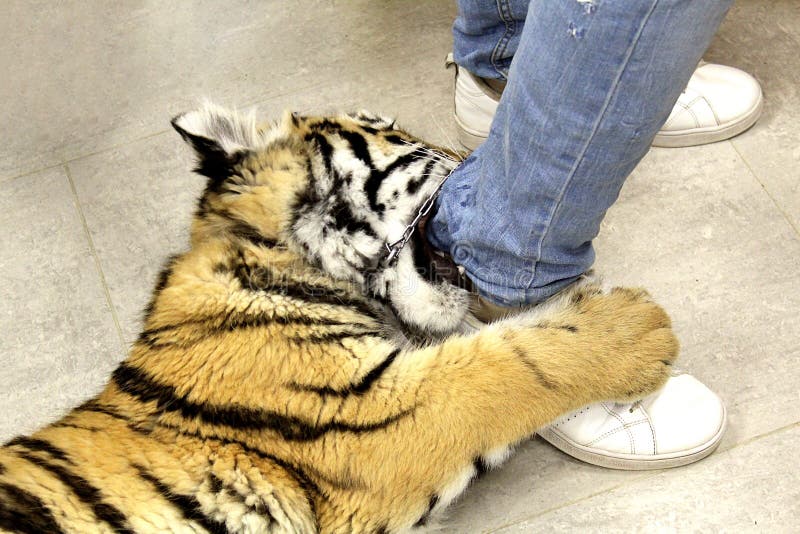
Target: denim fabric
[589, 86]
[486, 35]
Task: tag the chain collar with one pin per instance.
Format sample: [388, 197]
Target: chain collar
[393, 249]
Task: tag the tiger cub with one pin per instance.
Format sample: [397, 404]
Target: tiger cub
[275, 388]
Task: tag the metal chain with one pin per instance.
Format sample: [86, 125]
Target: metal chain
[393, 249]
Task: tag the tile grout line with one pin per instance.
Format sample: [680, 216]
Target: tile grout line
[82, 156]
[93, 250]
[764, 187]
[36, 170]
[640, 478]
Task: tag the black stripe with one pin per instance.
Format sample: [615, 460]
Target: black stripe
[188, 505]
[325, 150]
[77, 427]
[481, 467]
[366, 118]
[203, 208]
[534, 367]
[261, 278]
[345, 481]
[371, 377]
[319, 390]
[40, 445]
[396, 139]
[163, 276]
[422, 263]
[305, 199]
[543, 378]
[345, 219]
[567, 327]
[259, 506]
[21, 511]
[161, 283]
[95, 406]
[249, 233]
[333, 336]
[87, 493]
[413, 185]
[358, 145]
[298, 473]
[228, 323]
[359, 388]
[405, 160]
[139, 384]
[371, 187]
[376, 177]
[427, 515]
[215, 483]
[329, 125]
[371, 120]
[308, 196]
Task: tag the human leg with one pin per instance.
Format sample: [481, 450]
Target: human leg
[590, 85]
[486, 35]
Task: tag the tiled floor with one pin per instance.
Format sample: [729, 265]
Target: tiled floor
[95, 192]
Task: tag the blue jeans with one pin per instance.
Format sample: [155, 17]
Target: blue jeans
[589, 86]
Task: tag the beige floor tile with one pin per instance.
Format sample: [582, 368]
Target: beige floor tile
[753, 488]
[535, 479]
[85, 76]
[138, 201]
[58, 339]
[763, 38]
[698, 230]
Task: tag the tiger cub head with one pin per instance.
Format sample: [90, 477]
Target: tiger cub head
[335, 190]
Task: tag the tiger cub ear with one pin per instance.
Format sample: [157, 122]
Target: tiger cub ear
[218, 136]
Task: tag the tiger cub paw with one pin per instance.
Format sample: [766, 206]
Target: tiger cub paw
[622, 337]
[635, 336]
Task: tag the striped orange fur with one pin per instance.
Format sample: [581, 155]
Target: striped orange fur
[276, 386]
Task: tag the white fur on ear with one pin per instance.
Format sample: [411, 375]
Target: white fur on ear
[229, 130]
[374, 120]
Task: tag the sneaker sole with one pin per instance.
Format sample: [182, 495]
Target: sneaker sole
[712, 134]
[634, 462]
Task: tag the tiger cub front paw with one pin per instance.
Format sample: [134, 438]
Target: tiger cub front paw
[634, 338]
[619, 344]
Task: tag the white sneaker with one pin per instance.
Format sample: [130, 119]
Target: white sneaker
[679, 424]
[719, 102]
[475, 106]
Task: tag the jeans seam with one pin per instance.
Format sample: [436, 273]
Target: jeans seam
[582, 154]
[503, 10]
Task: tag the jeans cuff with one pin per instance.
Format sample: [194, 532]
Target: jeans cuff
[515, 297]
